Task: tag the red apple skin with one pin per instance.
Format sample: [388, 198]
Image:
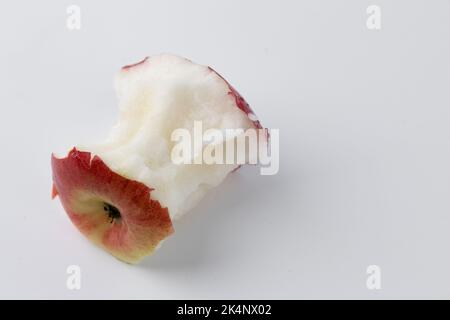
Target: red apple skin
[240, 101]
[242, 105]
[130, 66]
[87, 187]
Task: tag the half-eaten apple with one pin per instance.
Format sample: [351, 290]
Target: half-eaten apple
[124, 193]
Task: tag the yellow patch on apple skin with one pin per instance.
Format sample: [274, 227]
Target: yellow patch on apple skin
[110, 234]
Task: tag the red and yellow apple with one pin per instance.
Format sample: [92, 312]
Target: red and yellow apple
[124, 193]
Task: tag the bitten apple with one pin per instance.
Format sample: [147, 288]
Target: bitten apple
[124, 193]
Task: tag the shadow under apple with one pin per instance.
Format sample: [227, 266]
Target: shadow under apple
[201, 235]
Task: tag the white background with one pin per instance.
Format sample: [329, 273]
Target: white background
[364, 166]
